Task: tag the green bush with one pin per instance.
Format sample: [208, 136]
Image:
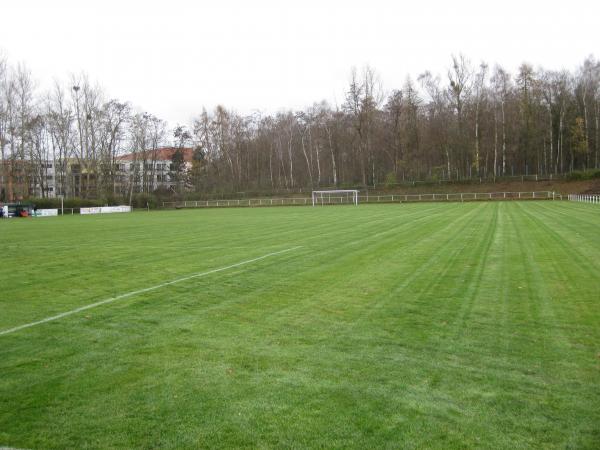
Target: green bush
[144, 200]
[575, 175]
[578, 175]
[390, 180]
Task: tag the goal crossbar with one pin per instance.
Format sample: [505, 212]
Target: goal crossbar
[334, 194]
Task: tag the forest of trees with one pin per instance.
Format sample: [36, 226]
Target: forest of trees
[472, 121]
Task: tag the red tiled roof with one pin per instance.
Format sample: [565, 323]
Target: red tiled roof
[160, 154]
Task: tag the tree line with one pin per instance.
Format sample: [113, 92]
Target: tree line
[474, 121]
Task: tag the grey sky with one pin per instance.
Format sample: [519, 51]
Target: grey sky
[173, 57]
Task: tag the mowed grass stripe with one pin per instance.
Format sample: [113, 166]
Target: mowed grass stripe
[557, 329]
[574, 235]
[568, 275]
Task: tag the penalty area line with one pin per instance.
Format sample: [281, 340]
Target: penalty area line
[141, 291]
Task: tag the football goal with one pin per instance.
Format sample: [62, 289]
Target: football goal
[335, 197]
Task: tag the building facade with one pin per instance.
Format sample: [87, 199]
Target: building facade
[162, 168]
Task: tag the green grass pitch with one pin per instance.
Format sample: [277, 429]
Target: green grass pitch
[471, 325]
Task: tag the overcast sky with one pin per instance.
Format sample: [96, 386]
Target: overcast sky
[173, 57]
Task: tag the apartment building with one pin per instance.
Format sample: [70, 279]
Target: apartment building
[141, 171]
[153, 169]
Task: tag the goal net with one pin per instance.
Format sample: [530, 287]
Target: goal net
[335, 197]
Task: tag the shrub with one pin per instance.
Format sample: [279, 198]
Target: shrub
[578, 175]
[390, 180]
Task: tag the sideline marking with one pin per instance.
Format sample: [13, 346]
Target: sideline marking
[141, 291]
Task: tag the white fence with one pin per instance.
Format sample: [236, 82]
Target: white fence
[392, 198]
[585, 198]
[461, 197]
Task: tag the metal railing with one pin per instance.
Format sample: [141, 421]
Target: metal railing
[392, 198]
[463, 196]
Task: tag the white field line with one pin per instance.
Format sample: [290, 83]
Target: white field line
[141, 291]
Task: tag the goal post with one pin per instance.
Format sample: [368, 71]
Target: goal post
[335, 197]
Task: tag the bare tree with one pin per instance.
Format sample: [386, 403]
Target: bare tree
[60, 120]
[502, 87]
[4, 124]
[479, 88]
[459, 89]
